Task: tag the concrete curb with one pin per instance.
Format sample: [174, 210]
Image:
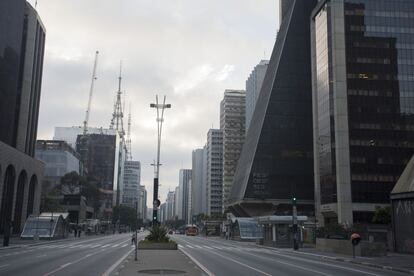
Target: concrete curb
[339, 259]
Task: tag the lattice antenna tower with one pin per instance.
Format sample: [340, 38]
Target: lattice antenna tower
[118, 114]
[128, 141]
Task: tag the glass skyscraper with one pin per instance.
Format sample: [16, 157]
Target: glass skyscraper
[363, 104]
[276, 163]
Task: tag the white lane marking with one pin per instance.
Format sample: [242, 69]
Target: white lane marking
[208, 272]
[115, 245]
[326, 264]
[240, 263]
[124, 245]
[71, 263]
[180, 246]
[1, 266]
[208, 247]
[190, 246]
[290, 264]
[198, 246]
[217, 247]
[274, 252]
[106, 245]
[40, 256]
[115, 265]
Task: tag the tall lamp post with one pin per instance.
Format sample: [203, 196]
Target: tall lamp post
[160, 118]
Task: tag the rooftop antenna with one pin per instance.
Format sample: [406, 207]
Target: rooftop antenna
[118, 114]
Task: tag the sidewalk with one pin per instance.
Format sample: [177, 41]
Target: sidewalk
[393, 261]
[152, 262]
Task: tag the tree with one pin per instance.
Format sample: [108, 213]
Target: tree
[73, 183]
[382, 215]
[126, 216]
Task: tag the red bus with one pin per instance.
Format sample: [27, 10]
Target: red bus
[191, 230]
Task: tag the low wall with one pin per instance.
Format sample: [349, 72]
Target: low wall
[364, 249]
[157, 246]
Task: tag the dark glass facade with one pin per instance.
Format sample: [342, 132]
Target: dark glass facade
[380, 82]
[97, 153]
[276, 162]
[11, 31]
[378, 37]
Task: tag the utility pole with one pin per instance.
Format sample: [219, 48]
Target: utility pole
[160, 118]
[136, 230]
[295, 224]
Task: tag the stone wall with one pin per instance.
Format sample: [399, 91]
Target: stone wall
[364, 249]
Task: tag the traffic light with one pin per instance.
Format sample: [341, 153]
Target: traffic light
[293, 200]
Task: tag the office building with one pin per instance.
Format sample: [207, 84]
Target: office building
[362, 104]
[59, 159]
[276, 163]
[70, 134]
[185, 194]
[22, 43]
[142, 204]
[170, 205]
[232, 126]
[177, 203]
[131, 184]
[253, 86]
[198, 183]
[103, 161]
[214, 168]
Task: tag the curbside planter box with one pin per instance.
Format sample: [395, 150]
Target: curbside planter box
[157, 245]
[364, 249]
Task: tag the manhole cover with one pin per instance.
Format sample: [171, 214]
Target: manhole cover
[161, 271]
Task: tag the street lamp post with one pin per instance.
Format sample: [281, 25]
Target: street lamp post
[160, 118]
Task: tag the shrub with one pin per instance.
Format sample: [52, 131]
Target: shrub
[157, 234]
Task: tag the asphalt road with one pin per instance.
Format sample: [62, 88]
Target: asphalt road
[223, 257]
[95, 255]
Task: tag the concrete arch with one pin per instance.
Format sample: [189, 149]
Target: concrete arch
[7, 197]
[31, 196]
[18, 207]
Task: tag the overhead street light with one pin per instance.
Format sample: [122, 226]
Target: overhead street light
[160, 119]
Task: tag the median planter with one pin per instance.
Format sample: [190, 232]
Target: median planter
[157, 245]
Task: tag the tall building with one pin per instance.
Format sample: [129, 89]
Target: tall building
[276, 163]
[214, 168]
[177, 204]
[232, 125]
[170, 205]
[162, 213]
[70, 134]
[103, 158]
[142, 204]
[362, 104]
[198, 183]
[59, 159]
[131, 184]
[253, 86]
[22, 43]
[185, 194]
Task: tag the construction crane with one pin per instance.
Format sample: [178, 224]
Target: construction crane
[88, 110]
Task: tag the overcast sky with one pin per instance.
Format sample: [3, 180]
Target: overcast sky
[188, 50]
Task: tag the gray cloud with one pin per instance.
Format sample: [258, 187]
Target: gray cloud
[189, 50]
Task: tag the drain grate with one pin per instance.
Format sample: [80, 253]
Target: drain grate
[161, 271]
